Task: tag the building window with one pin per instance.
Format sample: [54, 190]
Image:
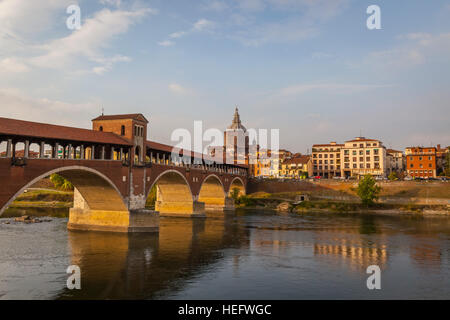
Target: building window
[101, 128]
[122, 131]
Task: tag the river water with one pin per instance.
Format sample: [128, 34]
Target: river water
[250, 255]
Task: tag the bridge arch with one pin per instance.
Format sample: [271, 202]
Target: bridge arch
[97, 191]
[212, 193]
[173, 193]
[239, 184]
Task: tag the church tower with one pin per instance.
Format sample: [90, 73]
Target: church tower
[236, 141]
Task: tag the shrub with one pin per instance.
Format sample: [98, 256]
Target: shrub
[368, 190]
[60, 182]
[151, 197]
[393, 176]
[235, 194]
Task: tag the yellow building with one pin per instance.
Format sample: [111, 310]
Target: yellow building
[296, 168]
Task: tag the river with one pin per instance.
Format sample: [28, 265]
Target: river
[250, 255]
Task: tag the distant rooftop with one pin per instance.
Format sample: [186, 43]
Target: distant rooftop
[133, 116]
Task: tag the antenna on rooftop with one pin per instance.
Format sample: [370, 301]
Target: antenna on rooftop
[103, 111]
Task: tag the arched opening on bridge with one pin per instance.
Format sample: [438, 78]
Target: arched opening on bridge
[137, 154]
[173, 194]
[212, 193]
[3, 147]
[93, 192]
[19, 150]
[238, 185]
[34, 151]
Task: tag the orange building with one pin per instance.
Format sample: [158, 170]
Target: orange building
[421, 162]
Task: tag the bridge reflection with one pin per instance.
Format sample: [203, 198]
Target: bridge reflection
[144, 266]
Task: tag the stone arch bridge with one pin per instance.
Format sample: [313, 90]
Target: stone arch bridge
[113, 176]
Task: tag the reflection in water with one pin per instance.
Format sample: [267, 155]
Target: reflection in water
[146, 266]
[252, 255]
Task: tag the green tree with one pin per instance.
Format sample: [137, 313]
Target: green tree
[393, 176]
[368, 190]
[235, 194]
[60, 182]
[151, 200]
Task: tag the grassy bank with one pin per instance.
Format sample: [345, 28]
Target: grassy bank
[285, 202]
[44, 198]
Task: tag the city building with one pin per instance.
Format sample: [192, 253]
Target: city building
[395, 161]
[441, 159]
[299, 167]
[354, 158]
[362, 156]
[326, 160]
[421, 162]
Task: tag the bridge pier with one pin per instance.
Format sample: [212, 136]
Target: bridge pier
[188, 209]
[219, 204]
[81, 217]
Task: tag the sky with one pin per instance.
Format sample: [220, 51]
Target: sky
[310, 68]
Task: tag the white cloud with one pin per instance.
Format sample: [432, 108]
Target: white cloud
[300, 89]
[12, 65]
[81, 47]
[417, 49]
[274, 33]
[203, 24]
[178, 34]
[306, 17]
[200, 25]
[16, 104]
[179, 89]
[87, 43]
[166, 43]
[215, 5]
[115, 3]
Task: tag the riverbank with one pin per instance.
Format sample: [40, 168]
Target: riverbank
[287, 202]
[43, 198]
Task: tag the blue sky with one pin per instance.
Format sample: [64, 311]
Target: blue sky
[310, 68]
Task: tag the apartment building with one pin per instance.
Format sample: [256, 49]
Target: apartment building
[362, 156]
[395, 161]
[421, 162]
[326, 160]
[354, 158]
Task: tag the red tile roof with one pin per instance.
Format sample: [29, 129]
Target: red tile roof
[297, 160]
[393, 151]
[133, 116]
[328, 145]
[361, 139]
[54, 132]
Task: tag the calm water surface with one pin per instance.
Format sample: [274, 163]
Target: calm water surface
[252, 255]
